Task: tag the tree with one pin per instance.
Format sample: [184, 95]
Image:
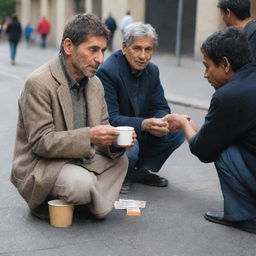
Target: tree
[7, 8]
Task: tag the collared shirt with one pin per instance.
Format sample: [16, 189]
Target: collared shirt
[136, 86]
[77, 95]
[78, 102]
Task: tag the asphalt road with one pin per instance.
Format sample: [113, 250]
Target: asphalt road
[172, 223]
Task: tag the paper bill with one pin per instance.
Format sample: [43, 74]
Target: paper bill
[125, 203]
[133, 211]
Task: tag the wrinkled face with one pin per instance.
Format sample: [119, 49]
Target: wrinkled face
[139, 53]
[84, 59]
[217, 75]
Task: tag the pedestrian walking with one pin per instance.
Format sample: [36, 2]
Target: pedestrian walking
[28, 33]
[14, 32]
[43, 29]
[111, 24]
[126, 20]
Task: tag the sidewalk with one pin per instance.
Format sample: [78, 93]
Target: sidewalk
[183, 85]
[172, 223]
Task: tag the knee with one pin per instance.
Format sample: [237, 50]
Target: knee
[80, 189]
[227, 158]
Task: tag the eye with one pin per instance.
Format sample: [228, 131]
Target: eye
[149, 49]
[93, 49]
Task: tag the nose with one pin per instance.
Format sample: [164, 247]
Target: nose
[99, 58]
[142, 54]
[206, 74]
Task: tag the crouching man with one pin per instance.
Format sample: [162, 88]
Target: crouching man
[65, 147]
[228, 135]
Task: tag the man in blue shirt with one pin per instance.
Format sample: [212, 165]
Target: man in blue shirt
[228, 135]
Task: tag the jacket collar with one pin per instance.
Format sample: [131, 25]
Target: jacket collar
[63, 92]
[128, 79]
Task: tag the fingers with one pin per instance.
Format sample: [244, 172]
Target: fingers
[103, 135]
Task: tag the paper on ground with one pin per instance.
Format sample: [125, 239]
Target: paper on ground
[135, 211]
[125, 203]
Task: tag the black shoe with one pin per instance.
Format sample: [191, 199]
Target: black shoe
[126, 186]
[218, 217]
[41, 211]
[144, 176]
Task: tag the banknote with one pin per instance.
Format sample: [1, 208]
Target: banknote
[125, 203]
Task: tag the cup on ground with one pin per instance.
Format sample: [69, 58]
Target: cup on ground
[125, 137]
[61, 213]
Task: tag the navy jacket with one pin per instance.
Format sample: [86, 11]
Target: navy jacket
[231, 120]
[131, 99]
[250, 33]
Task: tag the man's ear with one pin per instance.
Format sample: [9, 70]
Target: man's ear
[226, 65]
[228, 12]
[68, 46]
[124, 47]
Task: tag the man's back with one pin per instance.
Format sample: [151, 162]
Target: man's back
[250, 32]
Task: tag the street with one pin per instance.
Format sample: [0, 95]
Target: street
[172, 223]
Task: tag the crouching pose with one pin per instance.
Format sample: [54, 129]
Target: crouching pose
[228, 135]
[65, 147]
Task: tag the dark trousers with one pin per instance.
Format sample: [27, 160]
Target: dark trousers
[43, 40]
[238, 185]
[152, 152]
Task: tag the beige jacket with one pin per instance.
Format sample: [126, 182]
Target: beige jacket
[45, 138]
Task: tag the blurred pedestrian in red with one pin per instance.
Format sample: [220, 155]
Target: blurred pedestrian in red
[43, 29]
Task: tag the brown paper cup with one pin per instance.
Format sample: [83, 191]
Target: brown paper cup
[61, 213]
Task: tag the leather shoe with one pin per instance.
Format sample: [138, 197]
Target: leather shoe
[41, 211]
[126, 186]
[218, 217]
[144, 176]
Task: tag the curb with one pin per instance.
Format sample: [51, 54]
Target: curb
[188, 102]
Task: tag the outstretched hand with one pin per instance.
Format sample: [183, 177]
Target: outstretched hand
[156, 126]
[176, 121]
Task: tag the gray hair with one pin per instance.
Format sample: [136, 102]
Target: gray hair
[139, 30]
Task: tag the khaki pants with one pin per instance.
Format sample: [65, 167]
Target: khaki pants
[77, 185]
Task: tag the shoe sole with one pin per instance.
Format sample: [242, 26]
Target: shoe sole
[230, 224]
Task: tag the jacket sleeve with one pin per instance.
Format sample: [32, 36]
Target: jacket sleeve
[220, 130]
[39, 124]
[158, 103]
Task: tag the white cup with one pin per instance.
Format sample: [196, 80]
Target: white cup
[125, 137]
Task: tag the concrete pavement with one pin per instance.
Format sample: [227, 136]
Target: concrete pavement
[172, 222]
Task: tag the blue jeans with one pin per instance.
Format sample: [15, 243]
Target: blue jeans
[152, 152]
[13, 48]
[238, 185]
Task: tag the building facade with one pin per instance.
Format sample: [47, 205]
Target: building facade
[200, 18]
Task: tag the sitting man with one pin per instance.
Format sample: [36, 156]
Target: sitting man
[65, 147]
[135, 97]
[237, 13]
[228, 135]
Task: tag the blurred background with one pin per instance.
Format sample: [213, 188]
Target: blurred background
[198, 18]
